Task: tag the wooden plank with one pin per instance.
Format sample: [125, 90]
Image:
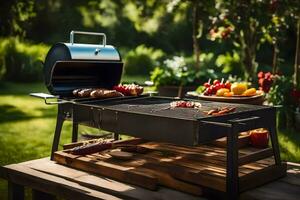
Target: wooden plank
[291, 165]
[203, 165]
[272, 191]
[292, 179]
[262, 176]
[202, 179]
[285, 188]
[135, 168]
[106, 185]
[254, 156]
[194, 166]
[243, 141]
[203, 157]
[128, 141]
[23, 175]
[199, 154]
[126, 174]
[164, 171]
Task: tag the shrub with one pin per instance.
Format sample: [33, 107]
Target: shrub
[142, 60]
[230, 64]
[21, 61]
[177, 71]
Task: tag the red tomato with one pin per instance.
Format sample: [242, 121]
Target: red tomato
[228, 85]
[216, 82]
[206, 85]
[222, 85]
[259, 138]
[208, 91]
[213, 89]
[218, 86]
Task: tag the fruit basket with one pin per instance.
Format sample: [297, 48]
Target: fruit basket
[256, 99]
[228, 92]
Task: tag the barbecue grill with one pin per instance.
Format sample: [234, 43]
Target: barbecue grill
[69, 66]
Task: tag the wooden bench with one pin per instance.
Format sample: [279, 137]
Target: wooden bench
[48, 179]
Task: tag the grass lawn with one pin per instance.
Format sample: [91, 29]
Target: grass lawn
[27, 126]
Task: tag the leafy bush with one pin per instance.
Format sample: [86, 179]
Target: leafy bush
[142, 60]
[177, 71]
[281, 93]
[230, 64]
[21, 61]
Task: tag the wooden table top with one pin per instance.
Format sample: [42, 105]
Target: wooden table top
[47, 176]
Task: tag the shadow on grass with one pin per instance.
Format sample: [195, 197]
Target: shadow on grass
[290, 145]
[11, 113]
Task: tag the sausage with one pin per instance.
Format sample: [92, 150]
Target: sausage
[220, 111]
[91, 148]
[103, 93]
[85, 92]
[75, 92]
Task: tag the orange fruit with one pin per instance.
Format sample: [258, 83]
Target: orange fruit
[228, 94]
[250, 92]
[238, 88]
[221, 92]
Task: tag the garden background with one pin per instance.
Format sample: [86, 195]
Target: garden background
[233, 39]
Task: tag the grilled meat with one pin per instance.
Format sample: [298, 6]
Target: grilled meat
[85, 92]
[220, 111]
[129, 89]
[103, 93]
[185, 104]
[92, 148]
[75, 92]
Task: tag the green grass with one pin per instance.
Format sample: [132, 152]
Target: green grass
[27, 124]
[289, 141]
[27, 127]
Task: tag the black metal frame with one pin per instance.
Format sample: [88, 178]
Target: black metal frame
[230, 128]
[233, 128]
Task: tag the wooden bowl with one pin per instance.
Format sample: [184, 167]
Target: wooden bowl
[257, 99]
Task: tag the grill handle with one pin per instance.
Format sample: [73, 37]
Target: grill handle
[46, 97]
[72, 33]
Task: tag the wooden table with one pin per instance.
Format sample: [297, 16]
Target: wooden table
[48, 179]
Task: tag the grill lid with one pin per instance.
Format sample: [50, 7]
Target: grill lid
[72, 65]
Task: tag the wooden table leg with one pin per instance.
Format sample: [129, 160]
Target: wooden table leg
[38, 195]
[15, 191]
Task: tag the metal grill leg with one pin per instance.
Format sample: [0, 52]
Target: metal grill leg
[59, 123]
[274, 139]
[232, 179]
[116, 136]
[75, 132]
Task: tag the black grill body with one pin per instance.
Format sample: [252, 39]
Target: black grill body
[151, 118]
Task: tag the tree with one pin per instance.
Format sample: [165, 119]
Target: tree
[249, 23]
[15, 16]
[294, 10]
[201, 11]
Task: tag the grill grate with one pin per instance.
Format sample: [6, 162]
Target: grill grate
[160, 106]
